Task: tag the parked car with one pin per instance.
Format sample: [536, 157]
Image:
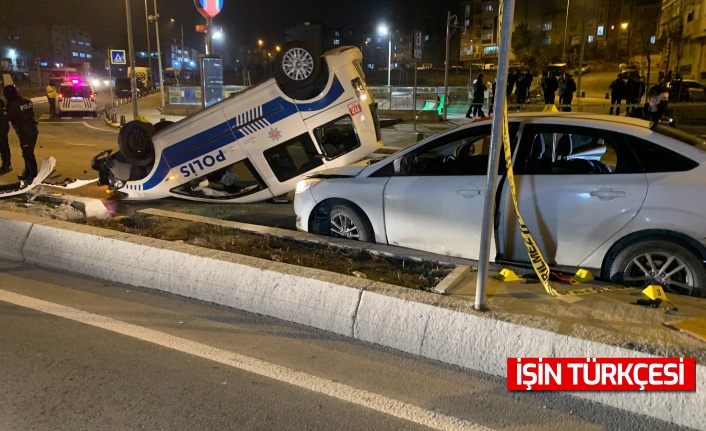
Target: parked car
[557, 68]
[316, 113]
[630, 68]
[123, 88]
[586, 68]
[76, 97]
[689, 91]
[615, 195]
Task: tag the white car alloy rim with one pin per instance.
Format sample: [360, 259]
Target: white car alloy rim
[343, 226]
[661, 268]
[298, 64]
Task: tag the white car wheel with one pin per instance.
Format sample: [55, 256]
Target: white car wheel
[671, 265]
[347, 222]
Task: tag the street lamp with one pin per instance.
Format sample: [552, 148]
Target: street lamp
[383, 29]
[147, 25]
[182, 44]
[155, 18]
[450, 29]
[566, 27]
[624, 26]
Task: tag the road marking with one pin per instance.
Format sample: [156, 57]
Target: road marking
[306, 381]
[98, 128]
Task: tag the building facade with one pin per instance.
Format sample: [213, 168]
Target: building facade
[682, 29]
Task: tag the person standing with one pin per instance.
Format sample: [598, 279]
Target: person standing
[20, 112]
[520, 88]
[617, 94]
[657, 99]
[528, 84]
[51, 98]
[4, 141]
[632, 94]
[549, 86]
[492, 96]
[567, 88]
[476, 108]
[512, 77]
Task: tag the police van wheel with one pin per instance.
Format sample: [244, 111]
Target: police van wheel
[298, 67]
[135, 143]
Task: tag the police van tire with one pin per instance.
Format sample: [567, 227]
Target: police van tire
[348, 222]
[686, 267]
[135, 142]
[298, 67]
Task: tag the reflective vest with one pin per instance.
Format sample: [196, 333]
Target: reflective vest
[51, 91]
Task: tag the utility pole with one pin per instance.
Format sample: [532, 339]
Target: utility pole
[131, 48]
[159, 52]
[147, 25]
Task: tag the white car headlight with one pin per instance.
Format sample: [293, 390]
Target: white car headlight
[306, 184]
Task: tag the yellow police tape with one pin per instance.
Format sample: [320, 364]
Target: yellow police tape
[538, 263]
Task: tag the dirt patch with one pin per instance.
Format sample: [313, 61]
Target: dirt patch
[354, 262]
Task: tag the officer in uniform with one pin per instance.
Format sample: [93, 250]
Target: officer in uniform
[4, 144]
[20, 112]
[51, 98]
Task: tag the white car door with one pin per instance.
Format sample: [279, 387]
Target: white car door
[576, 187]
[435, 203]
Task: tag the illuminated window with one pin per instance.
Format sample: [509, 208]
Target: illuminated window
[599, 30]
[547, 26]
[75, 54]
[653, 39]
[590, 39]
[337, 42]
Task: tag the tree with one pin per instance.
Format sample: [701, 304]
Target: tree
[522, 43]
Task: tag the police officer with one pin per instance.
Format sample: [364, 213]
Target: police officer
[4, 144]
[20, 112]
[657, 99]
[51, 98]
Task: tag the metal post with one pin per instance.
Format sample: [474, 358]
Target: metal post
[182, 47]
[131, 48]
[209, 37]
[445, 102]
[583, 47]
[159, 52]
[110, 78]
[414, 97]
[566, 27]
[508, 9]
[149, 49]
[389, 59]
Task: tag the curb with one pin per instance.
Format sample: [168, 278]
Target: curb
[432, 326]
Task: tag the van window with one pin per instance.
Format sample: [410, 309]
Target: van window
[337, 137]
[293, 158]
[236, 180]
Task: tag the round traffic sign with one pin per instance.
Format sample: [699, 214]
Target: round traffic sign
[208, 8]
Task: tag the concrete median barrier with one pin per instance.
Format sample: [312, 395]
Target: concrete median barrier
[436, 327]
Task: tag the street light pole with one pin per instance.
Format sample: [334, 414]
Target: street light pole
[449, 32]
[133, 77]
[566, 27]
[389, 55]
[147, 25]
[159, 53]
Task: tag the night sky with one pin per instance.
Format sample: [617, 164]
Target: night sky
[243, 21]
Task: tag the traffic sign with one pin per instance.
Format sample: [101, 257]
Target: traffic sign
[208, 8]
[117, 56]
[417, 44]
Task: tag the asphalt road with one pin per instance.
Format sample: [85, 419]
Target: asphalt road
[81, 354]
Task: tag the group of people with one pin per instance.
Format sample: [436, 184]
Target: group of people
[626, 87]
[565, 85]
[18, 111]
[519, 81]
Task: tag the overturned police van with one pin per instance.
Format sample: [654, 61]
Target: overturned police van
[316, 113]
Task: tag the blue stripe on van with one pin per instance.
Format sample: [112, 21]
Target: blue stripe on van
[222, 134]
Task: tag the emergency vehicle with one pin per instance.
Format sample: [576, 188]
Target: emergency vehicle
[76, 96]
[316, 113]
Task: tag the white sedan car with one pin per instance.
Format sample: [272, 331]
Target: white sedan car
[616, 195]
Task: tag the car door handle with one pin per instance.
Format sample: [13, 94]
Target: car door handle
[469, 193]
[606, 195]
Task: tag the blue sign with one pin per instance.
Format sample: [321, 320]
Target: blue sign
[117, 56]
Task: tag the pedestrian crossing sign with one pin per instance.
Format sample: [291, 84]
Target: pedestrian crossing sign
[117, 56]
